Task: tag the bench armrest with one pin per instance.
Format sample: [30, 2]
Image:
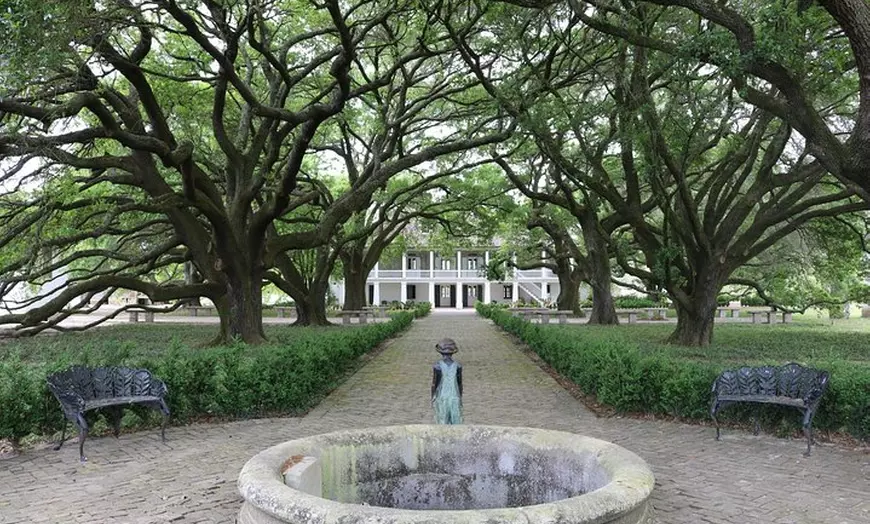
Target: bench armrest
[70, 401]
[158, 387]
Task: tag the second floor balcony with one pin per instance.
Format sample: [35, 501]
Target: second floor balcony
[456, 274]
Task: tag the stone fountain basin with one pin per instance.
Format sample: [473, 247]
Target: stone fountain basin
[426, 474]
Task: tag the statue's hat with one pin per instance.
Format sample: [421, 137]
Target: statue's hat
[446, 346]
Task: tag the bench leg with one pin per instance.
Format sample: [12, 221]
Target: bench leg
[83, 435]
[808, 431]
[163, 427]
[62, 435]
[115, 413]
[713, 410]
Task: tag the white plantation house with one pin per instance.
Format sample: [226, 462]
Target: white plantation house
[453, 281]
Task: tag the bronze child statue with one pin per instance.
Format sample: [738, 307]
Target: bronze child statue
[447, 384]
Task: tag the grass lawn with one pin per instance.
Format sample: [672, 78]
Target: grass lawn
[808, 338]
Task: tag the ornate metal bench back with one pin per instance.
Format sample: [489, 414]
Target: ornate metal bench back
[791, 380]
[106, 382]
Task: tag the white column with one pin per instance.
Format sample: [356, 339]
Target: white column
[432, 269]
[375, 274]
[486, 258]
[403, 293]
[459, 264]
[377, 294]
[543, 269]
[432, 293]
[543, 290]
[487, 292]
[404, 267]
[460, 295]
[515, 292]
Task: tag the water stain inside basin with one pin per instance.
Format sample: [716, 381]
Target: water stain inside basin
[456, 474]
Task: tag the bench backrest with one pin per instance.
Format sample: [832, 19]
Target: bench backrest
[107, 382]
[791, 380]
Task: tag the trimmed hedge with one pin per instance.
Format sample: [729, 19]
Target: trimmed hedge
[619, 374]
[279, 377]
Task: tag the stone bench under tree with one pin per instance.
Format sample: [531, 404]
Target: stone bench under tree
[80, 389]
[361, 315]
[194, 311]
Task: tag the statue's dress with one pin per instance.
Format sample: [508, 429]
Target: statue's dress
[448, 402]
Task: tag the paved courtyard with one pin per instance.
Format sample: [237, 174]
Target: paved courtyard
[192, 478]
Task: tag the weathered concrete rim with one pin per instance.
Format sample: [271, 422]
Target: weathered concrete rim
[631, 481]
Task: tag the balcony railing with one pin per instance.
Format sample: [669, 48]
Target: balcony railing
[453, 274]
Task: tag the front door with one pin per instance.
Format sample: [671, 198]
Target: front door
[453, 295]
[437, 295]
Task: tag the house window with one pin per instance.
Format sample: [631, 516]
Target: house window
[413, 263]
[445, 292]
[446, 263]
[509, 292]
[472, 263]
[548, 289]
[412, 292]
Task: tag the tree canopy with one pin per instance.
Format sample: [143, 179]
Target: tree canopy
[690, 145]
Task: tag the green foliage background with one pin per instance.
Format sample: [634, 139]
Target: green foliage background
[287, 375]
[626, 368]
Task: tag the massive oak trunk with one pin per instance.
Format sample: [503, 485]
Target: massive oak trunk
[192, 276]
[244, 300]
[696, 308]
[695, 322]
[355, 276]
[311, 309]
[355, 291]
[569, 293]
[603, 307]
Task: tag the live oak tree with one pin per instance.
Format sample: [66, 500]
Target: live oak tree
[564, 256]
[794, 60]
[415, 133]
[728, 180]
[822, 264]
[420, 130]
[721, 182]
[111, 109]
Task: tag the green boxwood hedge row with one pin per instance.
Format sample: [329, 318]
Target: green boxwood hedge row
[619, 375]
[286, 376]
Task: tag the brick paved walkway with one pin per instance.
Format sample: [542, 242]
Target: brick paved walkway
[743, 479]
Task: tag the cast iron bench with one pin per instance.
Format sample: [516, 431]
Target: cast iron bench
[789, 385]
[80, 389]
